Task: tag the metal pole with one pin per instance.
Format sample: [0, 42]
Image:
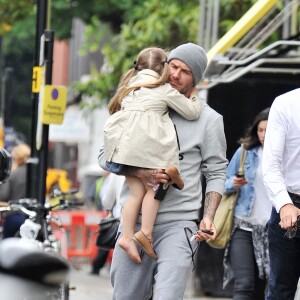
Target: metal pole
[208, 31]
[5, 77]
[202, 9]
[215, 21]
[286, 25]
[3, 92]
[32, 170]
[43, 152]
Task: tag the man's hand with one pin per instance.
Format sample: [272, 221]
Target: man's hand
[206, 224]
[288, 215]
[153, 176]
[211, 203]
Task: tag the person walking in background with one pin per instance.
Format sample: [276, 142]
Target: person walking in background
[99, 191]
[281, 166]
[95, 191]
[140, 133]
[15, 188]
[110, 200]
[202, 152]
[112, 195]
[246, 256]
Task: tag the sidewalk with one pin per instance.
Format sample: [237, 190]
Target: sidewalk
[91, 287]
[86, 286]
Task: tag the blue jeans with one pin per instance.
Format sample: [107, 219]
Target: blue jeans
[247, 284]
[284, 261]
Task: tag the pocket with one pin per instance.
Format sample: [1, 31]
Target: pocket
[274, 218]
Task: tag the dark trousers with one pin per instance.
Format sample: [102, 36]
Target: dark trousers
[12, 224]
[99, 261]
[247, 284]
[284, 261]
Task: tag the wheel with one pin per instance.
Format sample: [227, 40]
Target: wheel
[64, 290]
[59, 293]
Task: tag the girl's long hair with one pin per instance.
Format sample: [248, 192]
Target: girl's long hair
[250, 139]
[150, 58]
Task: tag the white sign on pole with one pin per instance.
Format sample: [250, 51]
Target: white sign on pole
[74, 129]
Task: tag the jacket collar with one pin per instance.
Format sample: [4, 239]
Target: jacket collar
[149, 72]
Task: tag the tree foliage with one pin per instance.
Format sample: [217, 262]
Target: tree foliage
[18, 49]
[130, 25]
[152, 23]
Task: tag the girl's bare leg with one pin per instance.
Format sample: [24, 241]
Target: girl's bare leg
[149, 211]
[131, 211]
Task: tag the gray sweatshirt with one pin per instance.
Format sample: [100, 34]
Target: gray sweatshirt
[202, 152]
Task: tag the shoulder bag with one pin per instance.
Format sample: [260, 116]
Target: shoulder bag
[108, 232]
[224, 215]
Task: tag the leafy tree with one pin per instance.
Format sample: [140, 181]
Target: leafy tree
[18, 48]
[158, 23]
[167, 24]
[132, 25]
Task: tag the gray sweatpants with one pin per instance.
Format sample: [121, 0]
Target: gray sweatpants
[166, 277]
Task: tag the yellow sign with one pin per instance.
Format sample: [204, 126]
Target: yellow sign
[36, 79]
[2, 143]
[54, 100]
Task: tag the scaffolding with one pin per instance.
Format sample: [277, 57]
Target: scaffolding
[245, 49]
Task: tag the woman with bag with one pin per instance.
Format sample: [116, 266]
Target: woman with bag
[110, 200]
[246, 256]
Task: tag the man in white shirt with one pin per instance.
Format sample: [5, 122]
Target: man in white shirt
[281, 170]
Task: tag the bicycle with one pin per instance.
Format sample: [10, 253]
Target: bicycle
[39, 225]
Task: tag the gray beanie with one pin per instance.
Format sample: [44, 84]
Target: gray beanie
[193, 56]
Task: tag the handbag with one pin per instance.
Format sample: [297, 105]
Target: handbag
[108, 232]
[223, 219]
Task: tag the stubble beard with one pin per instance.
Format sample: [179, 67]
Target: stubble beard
[182, 89]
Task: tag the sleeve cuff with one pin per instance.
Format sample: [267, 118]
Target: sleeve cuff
[281, 199]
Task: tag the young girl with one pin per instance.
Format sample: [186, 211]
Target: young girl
[140, 133]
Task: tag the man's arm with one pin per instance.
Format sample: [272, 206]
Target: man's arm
[151, 176]
[212, 201]
[274, 181]
[213, 167]
[101, 158]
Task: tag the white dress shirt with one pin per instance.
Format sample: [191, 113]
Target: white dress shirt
[281, 155]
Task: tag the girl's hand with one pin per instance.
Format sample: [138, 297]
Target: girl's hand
[194, 92]
[238, 182]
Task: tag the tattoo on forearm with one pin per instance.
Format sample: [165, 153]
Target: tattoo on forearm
[212, 200]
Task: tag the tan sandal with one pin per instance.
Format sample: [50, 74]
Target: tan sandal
[175, 178]
[141, 239]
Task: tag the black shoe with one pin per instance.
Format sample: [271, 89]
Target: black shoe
[94, 273]
[161, 192]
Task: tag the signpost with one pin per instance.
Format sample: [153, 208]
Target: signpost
[49, 103]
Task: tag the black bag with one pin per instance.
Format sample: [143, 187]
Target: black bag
[108, 233]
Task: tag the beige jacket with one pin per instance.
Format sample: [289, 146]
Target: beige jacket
[142, 134]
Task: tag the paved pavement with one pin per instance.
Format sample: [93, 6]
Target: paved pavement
[85, 286]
